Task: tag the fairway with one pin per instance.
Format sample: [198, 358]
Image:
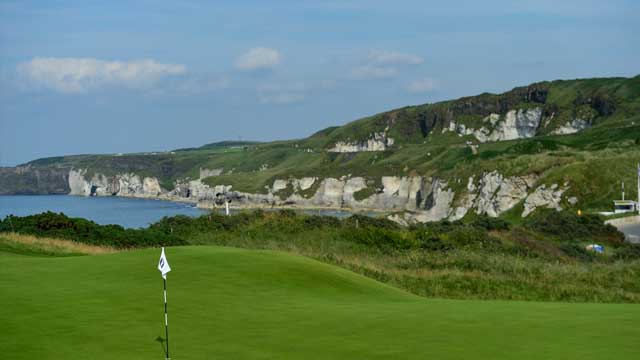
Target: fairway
[227, 303]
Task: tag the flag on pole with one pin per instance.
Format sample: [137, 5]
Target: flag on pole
[163, 265]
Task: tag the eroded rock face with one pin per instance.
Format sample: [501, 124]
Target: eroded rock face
[377, 142]
[127, 185]
[420, 199]
[498, 194]
[572, 127]
[543, 196]
[516, 124]
[27, 180]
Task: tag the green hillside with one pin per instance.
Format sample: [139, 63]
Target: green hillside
[239, 304]
[610, 108]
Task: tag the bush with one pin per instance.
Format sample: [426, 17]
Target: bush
[578, 251]
[568, 226]
[381, 238]
[628, 252]
[55, 225]
[367, 221]
[490, 223]
[431, 241]
[471, 237]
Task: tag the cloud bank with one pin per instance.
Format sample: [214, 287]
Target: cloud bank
[259, 58]
[80, 75]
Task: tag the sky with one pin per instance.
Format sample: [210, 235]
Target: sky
[80, 77]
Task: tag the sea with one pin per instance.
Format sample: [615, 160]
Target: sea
[127, 212]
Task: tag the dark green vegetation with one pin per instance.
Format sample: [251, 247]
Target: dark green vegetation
[610, 105]
[50, 224]
[543, 258]
[236, 304]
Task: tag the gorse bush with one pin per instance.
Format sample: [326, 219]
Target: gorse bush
[568, 226]
[489, 223]
[55, 225]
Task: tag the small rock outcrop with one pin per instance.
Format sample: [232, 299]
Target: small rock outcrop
[571, 127]
[515, 124]
[377, 142]
[543, 196]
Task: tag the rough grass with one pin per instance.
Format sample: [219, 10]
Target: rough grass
[41, 246]
[517, 265]
[236, 304]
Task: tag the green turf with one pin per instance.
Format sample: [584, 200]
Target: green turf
[229, 303]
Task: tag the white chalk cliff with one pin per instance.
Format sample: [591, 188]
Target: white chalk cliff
[377, 142]
[413, 198]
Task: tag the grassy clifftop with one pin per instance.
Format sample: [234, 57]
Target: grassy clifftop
[593, 160]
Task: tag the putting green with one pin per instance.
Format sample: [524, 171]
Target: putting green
[238, 304]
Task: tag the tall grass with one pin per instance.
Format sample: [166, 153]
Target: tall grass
[31, 245]
[514, 265]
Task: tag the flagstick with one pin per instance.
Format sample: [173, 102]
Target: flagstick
[166, 319]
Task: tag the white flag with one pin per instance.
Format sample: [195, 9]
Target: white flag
[163, 265]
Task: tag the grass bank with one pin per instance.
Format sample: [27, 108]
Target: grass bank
[227, 303]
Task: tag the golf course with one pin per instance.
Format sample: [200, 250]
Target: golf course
[228, 303]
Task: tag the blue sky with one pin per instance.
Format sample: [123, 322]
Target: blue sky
[125, 76]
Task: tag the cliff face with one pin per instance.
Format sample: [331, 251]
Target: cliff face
[27, 180]
[483, 154]
[414, 198]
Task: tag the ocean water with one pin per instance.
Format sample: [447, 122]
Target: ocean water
[130, 213]
[127, 212]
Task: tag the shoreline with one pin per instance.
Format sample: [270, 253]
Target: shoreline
[232, 208]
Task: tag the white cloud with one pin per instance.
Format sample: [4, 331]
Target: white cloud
[79, 75]
[373, 72]
[394, 57]
[421, 85]
[258, 58]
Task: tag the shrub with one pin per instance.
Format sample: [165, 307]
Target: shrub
[471, 237]
[55, 225]
[628, 252]
[431, 241]
[381, 238]
[367, 221]
[490, 223]
[568, 226]
[578, 251]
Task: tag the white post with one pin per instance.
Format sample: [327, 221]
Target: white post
[166, 318]
[623, 190]
[226, 207]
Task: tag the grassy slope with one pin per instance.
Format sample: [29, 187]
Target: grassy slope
[612, 104]
[231, 303]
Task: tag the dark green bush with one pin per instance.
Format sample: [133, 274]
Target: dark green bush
[578, 251]
[368, 221]
[490, 223]
[51, 224]
[431, 241]
[472, 237]
[628, 252]
[384, 239]
[568, 226]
